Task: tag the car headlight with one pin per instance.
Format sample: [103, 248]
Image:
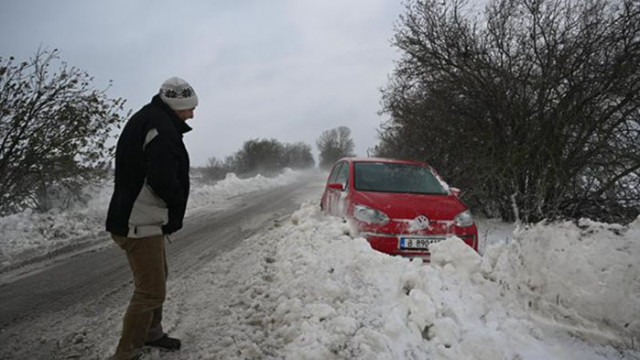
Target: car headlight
[369, 215]
[464, 219]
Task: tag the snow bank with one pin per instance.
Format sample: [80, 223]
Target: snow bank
[232, 186]
[29, 234]
[585, 275]
[307, 290]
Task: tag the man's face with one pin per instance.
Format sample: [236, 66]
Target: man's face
[185, 114]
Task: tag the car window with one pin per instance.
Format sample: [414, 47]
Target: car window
[334, 172]
[343, 174]
[397, 178]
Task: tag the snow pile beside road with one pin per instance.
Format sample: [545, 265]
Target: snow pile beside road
[232, 186]
[584, 275]
[29, 234]
[306, 290]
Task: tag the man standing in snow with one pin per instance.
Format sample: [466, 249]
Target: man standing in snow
[149, 203]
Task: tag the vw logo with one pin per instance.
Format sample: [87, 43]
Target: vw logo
[421, 222]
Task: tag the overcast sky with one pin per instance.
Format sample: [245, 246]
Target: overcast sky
[280, 69]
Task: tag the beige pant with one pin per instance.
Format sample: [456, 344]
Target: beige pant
[143, 319]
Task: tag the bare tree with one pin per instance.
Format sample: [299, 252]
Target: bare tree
[54, 129]
[267, 157]
[334, 144]
[534, 109]
[214, 170]
[298, 156]
[263, 156]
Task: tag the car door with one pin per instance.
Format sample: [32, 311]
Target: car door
[334, 195]
[337, 196]
[328, 196]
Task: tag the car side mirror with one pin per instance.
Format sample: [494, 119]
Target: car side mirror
[336, 186]
[456, 192]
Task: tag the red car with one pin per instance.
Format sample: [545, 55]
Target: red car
[399, 206]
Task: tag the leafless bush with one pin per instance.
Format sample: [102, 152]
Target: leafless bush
[534, 109]
[54, 129]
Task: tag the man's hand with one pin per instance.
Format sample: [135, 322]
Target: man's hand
[171, 227]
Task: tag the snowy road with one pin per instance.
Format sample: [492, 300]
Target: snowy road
[33, 304]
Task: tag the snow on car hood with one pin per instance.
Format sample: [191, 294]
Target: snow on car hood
[408, 206]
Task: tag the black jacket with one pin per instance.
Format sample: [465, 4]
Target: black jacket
[151, 175]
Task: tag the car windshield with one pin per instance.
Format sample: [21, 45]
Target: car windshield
[396, 178]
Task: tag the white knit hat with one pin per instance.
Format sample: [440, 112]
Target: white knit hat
[178, 94]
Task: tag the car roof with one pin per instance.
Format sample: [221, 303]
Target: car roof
[383, 160]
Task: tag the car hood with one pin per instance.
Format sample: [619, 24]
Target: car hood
[408, 206]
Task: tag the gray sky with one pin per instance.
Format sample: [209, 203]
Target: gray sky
[280, 69]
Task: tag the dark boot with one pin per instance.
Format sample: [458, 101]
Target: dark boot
[166, 343]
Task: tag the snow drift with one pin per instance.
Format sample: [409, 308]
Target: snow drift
[307, 290]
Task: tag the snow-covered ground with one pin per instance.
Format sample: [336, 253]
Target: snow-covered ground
[305, 289]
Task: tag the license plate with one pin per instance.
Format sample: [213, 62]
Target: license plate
[417, 243]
